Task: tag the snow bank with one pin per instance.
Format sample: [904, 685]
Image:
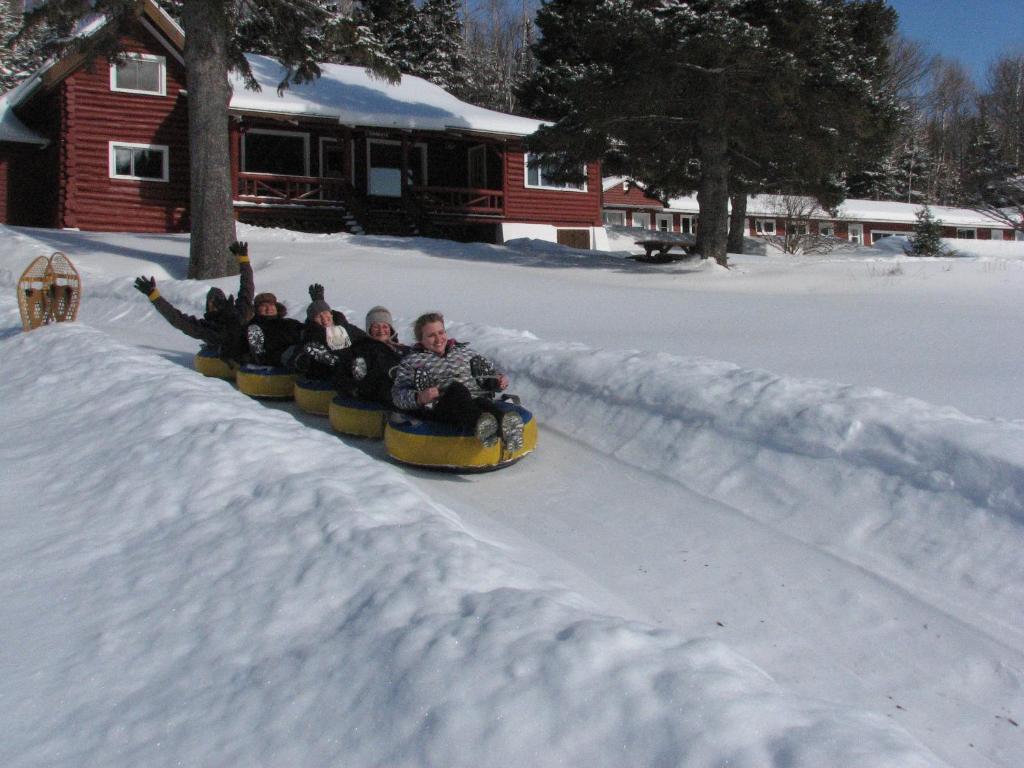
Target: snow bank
[214, 584]
[922, 494]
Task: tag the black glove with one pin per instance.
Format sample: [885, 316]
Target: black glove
[145, 285]
[239, 248]
[316, 292]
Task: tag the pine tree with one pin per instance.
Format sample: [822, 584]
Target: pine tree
[297, 34]
[438, 47]
[789, 91]
[17, 59]
[926, 240]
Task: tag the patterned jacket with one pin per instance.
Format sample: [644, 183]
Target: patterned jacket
[422, 369]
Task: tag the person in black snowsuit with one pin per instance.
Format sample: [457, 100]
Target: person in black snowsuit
[366, 370]
[327, 336]
[221, 326]
[446, 381]
[272, 337]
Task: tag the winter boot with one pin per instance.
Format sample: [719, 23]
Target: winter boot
[487, 430]
[512, 431]
[486, 376]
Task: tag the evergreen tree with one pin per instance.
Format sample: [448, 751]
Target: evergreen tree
[297, 33]
[18, 59]
[394, 24]
[926, 240]
[679, 93]
[439, 54]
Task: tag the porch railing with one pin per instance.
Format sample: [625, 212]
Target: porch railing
[304, 190]
[487, 202]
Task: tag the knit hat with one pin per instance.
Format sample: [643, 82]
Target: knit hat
[316, 307]
[379, 314]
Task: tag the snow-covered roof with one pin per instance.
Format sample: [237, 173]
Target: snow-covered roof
[881, 211]
[354, 97]
[13, 130]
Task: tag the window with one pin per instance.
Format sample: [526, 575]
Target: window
[146, 162]
[966, 234]
[664, 222]
[881, 234]
[827, 230]
[535, 177]
[478, 166]
[764, 226]
[641, 220]
[284, 153]
[996, 234]
[856, 233]
[384, 167]
[686, 225]
[614, 218]
[797, 229]
[140, 73]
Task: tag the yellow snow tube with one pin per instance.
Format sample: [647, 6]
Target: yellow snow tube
[208, 364]
[435, 445]
[314, 395]
[266, 382]
[357, 418]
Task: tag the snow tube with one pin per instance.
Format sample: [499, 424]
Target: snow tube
[431, 444]
[208, 364]
[357, 418]
[265, 381]
[314, 395]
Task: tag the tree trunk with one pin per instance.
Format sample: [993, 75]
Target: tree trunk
[737, 222]
[206, 63]
[713, 198]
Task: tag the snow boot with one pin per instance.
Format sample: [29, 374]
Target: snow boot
[487, 430]
[512, 431]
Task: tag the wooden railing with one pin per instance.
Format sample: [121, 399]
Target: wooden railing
[489, 202]
[303, 190]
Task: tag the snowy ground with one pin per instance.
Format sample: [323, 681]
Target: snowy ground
[776, 518]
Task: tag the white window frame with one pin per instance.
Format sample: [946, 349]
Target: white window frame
[826, 229]
[972, 230]
[606, 215]
[272, 132]
[996, 234]
[552, 187]
[645, 216]
[855, 233]
[160, 60]
[761, 228]
[322, 143]
[881, 234]
[659, 218]
[689, 230]
[112, 164]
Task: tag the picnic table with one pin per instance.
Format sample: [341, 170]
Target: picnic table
[656, 248]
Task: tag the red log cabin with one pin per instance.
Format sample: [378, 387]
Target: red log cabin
[104, 147]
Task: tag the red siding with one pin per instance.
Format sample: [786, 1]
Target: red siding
[545, 206]
[635, 197]
[94, 116]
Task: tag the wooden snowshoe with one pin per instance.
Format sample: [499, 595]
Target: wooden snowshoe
[65, 288]
[34, 294]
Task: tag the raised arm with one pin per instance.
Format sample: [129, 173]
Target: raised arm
[190, 325]
[246, 284]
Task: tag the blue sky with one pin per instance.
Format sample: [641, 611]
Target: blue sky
[973, 31]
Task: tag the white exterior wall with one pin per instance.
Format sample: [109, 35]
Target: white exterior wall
[514, 231]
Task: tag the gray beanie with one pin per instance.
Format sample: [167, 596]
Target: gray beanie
[379, 314]
[316, 307]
